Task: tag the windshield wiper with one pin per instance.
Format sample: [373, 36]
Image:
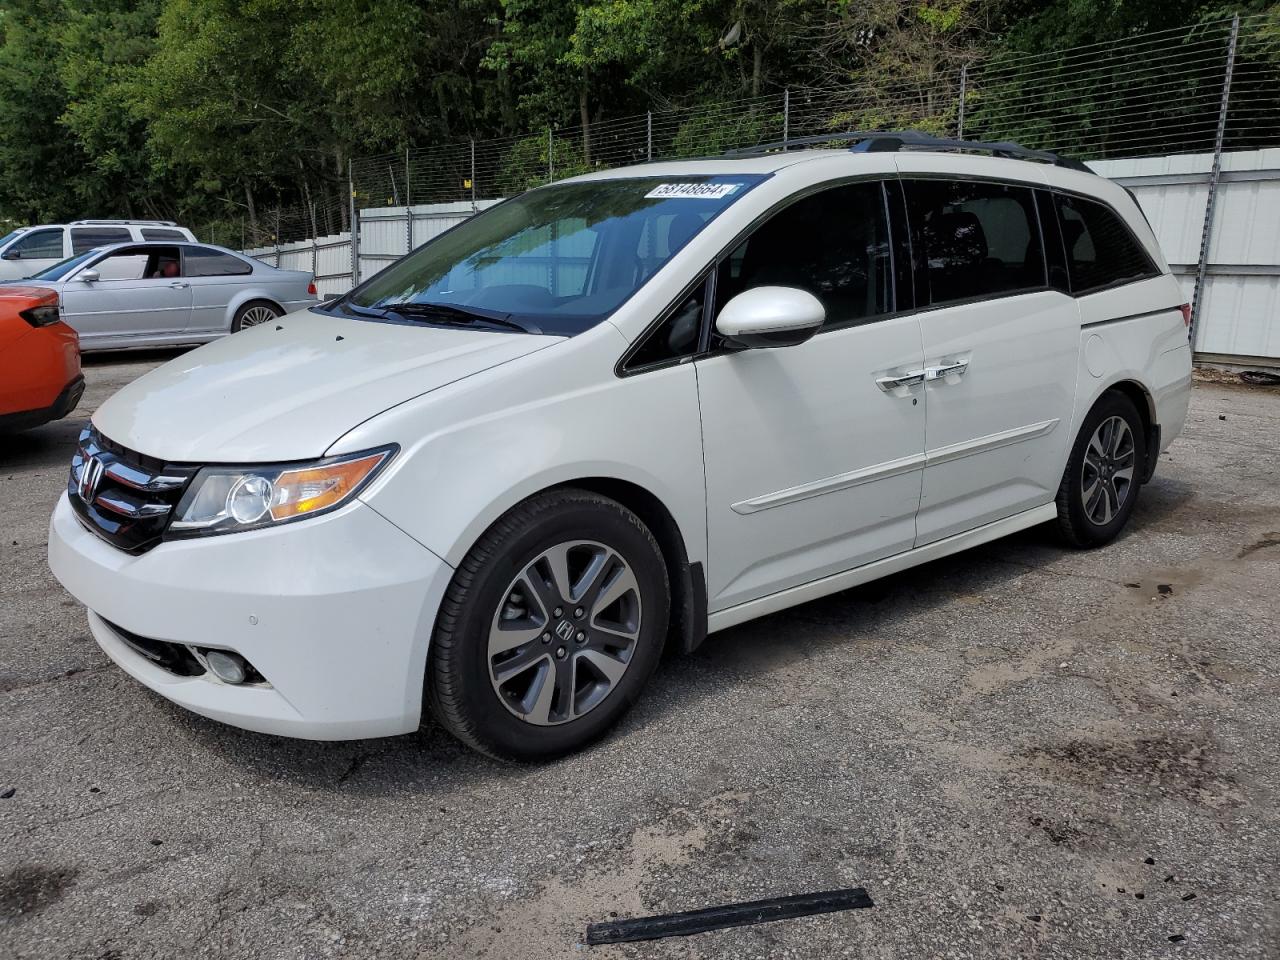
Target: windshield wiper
[452, 313]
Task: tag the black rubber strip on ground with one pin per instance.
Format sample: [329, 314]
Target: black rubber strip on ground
[729, 915]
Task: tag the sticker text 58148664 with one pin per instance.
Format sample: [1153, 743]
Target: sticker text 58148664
[693, 191]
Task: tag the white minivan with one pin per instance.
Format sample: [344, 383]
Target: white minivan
[614, 414]
[28, 250]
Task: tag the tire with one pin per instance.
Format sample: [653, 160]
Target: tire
[569, 676]
[1100, 485]
[253, 313]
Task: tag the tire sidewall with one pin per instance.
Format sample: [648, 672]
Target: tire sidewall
[1109, 405]
[586, 519]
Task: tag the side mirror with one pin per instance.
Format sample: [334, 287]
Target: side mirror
[11, 255]
[89, 275]
[771, 317]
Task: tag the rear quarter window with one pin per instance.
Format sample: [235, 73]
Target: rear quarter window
[160, 233]
[1101, 249]
[205, 262]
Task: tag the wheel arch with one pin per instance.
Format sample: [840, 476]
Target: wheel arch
[1145, 404]
[687, 579]
[246, 297]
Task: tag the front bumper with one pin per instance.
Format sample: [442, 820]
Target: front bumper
[335, 612]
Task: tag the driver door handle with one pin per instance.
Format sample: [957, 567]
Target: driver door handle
[179, 284]
[889, 384]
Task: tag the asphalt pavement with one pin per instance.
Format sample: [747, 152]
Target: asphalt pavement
[1021, 751]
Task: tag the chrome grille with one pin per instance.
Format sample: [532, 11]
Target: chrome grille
[124, 497]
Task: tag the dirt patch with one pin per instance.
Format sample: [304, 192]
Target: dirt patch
[26, 890]
[1164, 766]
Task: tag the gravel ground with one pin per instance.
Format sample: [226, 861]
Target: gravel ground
[1019, 752]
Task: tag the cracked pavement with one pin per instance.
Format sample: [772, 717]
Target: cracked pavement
[1020, 751]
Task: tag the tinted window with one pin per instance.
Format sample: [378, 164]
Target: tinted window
[140, 263]
[676, 336]
[206, 262]
[835, 244]
[974, 239]
[159, 233]
[38, 245]
[86, 238]
[1101, 250]
[561, 257]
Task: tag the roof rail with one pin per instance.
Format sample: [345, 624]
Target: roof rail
[892, 141]
[135, 223]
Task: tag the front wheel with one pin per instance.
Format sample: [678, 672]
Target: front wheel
[1103, 475]
[550, 627]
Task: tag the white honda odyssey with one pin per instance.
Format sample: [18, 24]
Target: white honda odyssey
[614, 414]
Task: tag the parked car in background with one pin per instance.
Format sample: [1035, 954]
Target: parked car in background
[28, 250]
[155, 293]
[40, 377]
[617, 413]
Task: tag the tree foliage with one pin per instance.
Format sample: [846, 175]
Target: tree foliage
[213, 111]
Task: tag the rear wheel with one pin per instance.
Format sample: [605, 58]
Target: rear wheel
[254, 313]
[1103, 475]
[550, 627]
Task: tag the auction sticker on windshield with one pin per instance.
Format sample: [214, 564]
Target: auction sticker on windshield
[700, 191]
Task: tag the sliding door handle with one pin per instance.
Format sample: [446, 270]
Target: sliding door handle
[889, 384]
[944, 370]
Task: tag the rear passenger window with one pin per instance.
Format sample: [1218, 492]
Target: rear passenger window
[1101, 250]
[835, 244]
[160, 233]
[974, 239]
[86, 238]
[206, 262]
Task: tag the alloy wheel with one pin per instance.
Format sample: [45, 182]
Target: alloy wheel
[1106, 476]
[256, 315]
[565, 632]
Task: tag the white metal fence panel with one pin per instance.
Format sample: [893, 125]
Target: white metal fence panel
[1240, 305]
[328, 258]
[385, 231]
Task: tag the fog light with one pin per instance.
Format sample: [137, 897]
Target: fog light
[227, 667]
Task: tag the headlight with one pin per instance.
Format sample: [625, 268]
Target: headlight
[231, 499]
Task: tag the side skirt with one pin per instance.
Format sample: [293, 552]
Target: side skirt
[742, 612]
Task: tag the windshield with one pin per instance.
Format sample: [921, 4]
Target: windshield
[63, 267]
[556, 260]
[4, 241]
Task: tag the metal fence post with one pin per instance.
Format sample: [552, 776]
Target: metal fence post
[786, 117]
[276, 238]
[1215, 172]
[551, 156]
[408, 206]
[964, 83]
[648, 134]
[355, 225]
[473, 174]
[315, 250]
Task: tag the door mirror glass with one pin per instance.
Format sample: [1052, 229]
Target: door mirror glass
[89, 276]
[770, 317]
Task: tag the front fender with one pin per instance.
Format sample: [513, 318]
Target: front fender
[471, 451]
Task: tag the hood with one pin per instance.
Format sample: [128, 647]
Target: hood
[287, 390]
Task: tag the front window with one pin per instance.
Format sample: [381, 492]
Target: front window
[556, 260]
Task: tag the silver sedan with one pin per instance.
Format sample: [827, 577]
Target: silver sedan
[160, 293]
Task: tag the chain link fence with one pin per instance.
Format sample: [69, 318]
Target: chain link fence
[1135, 96]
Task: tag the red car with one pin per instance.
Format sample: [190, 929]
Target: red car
[40, 377]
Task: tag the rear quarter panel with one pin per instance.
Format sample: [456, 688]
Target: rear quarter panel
[1136, 333]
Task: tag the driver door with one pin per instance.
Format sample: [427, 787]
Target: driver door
[814, 453]
[139, 295]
